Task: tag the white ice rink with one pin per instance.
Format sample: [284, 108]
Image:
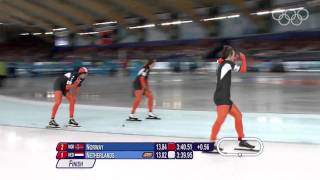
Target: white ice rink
[28, 149]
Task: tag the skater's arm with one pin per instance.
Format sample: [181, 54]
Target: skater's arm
[71, 85]
[243, 67]
[76, 91]
[143, 82]
[240, 68]
[142, 78]
[147, 83]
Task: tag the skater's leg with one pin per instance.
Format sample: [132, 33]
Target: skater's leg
[72, 101]
[57, 102]
[235, 112]
[222, 112]
[136, 102]
[149, 95]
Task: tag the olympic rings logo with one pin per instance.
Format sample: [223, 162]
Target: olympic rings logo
[293, 16]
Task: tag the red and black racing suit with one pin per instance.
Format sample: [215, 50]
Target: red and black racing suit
[62, 87]
[141, 87]
[222, 98]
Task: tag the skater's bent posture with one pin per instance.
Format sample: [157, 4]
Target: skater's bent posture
[67, 85]
[141, 87]
[225, 106]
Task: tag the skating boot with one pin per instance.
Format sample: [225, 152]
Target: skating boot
[53, 124]
[73, 123]
[152, 116]
[133, 117]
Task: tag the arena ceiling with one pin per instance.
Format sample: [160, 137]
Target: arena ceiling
[77, 15]
[82, 16]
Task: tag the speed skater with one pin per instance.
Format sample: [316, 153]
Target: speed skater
[141, 87]
[67, 85]
[224, 105]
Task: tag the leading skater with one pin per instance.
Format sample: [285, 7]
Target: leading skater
[141, 87]
[222, 93]
[68, 86]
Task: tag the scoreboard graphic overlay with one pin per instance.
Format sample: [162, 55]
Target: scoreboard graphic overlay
[84, 155]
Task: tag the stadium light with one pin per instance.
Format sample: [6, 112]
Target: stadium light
[142, 26]
[87, 33]
[176, 23]
[59, 29]
[36, 34]
[48, 33]
[24, 34]
[221, 17]
[259, 13]
[294, 9]
[215, 18]
[107, 22]
[233, 16]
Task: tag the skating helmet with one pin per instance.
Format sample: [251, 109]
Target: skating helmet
[83, 70]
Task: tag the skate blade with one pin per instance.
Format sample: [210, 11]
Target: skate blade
[210, 152]
[71, 125]
[53, 127]
[152, 118]
[246, 149]
[135, 120]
